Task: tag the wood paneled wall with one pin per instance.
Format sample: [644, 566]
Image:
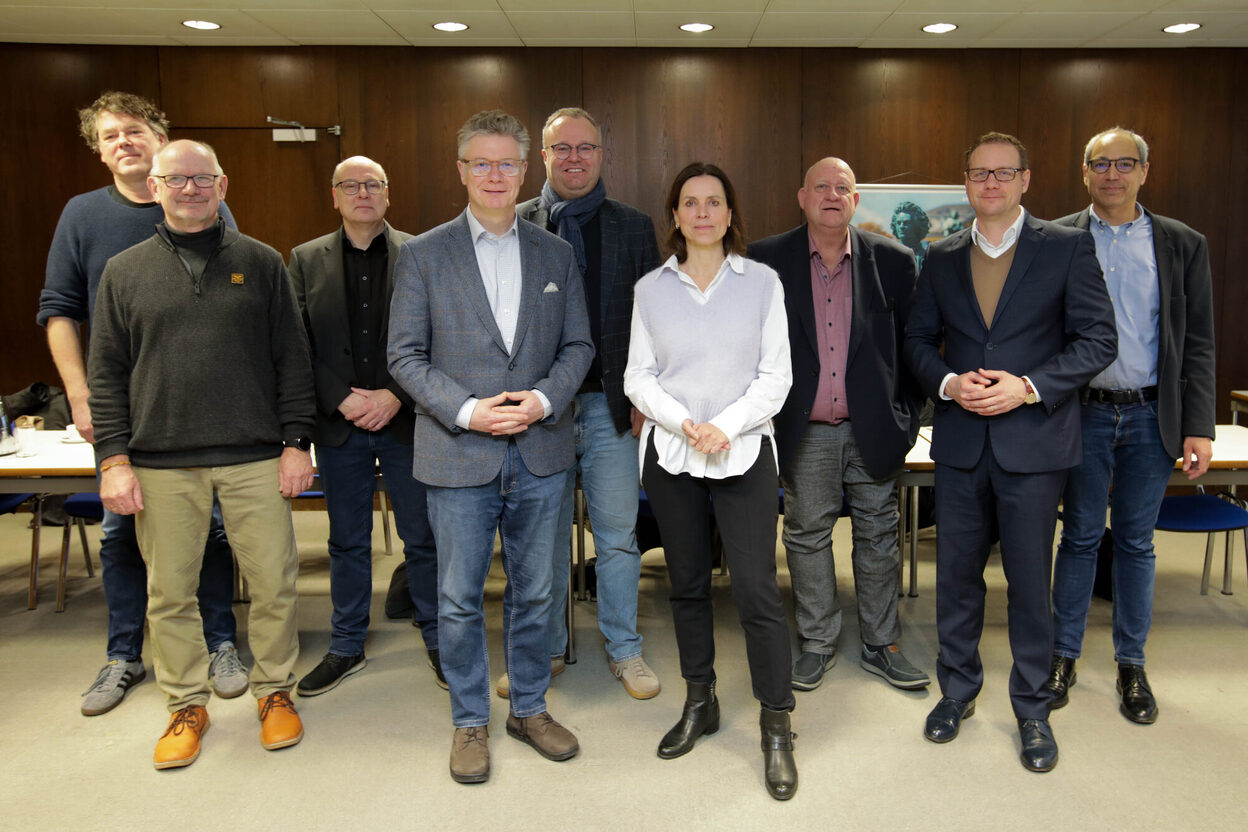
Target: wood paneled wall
[763, 115]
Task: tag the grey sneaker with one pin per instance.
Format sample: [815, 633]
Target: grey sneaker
[637, 677]
[891, 665]
[227, 673]
[809, 668]
[110, 686]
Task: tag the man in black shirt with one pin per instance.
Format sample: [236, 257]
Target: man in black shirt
[343, 282]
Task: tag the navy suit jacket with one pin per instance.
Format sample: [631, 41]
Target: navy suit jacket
[629, 252]
[883, 398]
[1054, 323]
[445, 348]
[316, 270]
[1186, 378]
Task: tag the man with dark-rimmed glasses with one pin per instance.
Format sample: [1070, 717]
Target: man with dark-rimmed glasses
[1011, 319]
[1153, 405]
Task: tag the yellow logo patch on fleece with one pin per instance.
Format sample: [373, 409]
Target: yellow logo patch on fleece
[236, 278]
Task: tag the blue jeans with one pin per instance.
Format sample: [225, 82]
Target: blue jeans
[524, 509]
[1121, 446]
[124, 576]
[347, 477]
[607, 462]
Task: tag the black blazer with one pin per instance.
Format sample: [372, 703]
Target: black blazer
[316, 269]
[629, 252]
[883, 398]
[1054, 323]
[1186, 378]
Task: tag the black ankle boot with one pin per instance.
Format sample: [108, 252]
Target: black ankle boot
[779, 768]
[701, 716]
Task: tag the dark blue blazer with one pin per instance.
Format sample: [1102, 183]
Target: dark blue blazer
[1186, 377]
[1054, 323]
[629, 252]
[883, 398]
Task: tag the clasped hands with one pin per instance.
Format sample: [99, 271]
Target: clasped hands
[987, 392]
[507, 414]
[369, 410]
[705, 437]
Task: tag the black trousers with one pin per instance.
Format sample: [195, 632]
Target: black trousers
[971, 505]
[746, 509]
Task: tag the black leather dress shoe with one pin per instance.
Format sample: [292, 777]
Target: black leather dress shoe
[1138, 704]
[1061, 680]
[946, 718]
[1039, 747]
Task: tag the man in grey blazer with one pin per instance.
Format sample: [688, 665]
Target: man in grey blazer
[490, 336]
[343, 282]
[1154, 404]
[615, 247]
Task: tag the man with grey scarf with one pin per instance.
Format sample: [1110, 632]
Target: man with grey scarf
[615, 246]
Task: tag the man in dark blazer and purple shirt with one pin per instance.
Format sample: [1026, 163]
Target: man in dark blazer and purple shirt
[1011, 319]
[850, 418]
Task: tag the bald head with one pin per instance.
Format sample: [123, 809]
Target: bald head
[362, 211]
[357, 160]
[828, 198]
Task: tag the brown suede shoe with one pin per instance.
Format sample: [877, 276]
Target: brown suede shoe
[503, 686]
[549, 738]
[179, 746]
[280, 725]
[470, 755]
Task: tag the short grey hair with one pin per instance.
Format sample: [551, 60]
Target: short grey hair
[165, 149]
[1141, 146]
[493, 123]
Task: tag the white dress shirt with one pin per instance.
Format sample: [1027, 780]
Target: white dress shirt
[746, 420]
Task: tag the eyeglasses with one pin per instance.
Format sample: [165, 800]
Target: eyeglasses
[584, 150]
[177, 181]
[350, 187]
[841, 190]
[482, 167]
[1124, 165]
[1000, 174]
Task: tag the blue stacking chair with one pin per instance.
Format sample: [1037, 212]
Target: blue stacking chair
[1208, 514]
[9, 504]
[79, 508]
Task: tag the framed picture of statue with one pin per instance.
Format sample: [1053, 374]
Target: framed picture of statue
[915, 215]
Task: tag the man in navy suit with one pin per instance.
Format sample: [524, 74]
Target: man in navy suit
[343, 282]
[615, 246]
[1154, 404]
[851, 416]
[1020, 309]
[490, 337]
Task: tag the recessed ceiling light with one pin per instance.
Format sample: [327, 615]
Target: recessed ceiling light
[697, 28]
[450, 26]
[1181, 28]
[939, 28]
[201, 24]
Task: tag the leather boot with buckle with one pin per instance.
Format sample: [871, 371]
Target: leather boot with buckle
[1061, 679]
[779, 767]
[700, 717]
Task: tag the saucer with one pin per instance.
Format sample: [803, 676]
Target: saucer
[67, 441]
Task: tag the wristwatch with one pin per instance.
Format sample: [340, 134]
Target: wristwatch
[303, 443]
[1031, 397]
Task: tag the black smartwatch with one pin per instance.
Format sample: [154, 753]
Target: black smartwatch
[303, 443]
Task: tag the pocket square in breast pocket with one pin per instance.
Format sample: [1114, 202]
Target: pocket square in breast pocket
[550, 287]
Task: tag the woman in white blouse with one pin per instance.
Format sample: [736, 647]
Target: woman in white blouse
[708, 366]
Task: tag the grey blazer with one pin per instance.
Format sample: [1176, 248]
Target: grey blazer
[1186, 400]
[316, 270]
[445, 347]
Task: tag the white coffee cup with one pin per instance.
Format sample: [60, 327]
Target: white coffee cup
[27, 441]
[72, 434]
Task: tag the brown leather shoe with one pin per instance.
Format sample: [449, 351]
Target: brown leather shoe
[549, 738]
[179, 746]
[470, 755]
[280, 725]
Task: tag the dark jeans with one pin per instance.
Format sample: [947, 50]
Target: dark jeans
[348, 475]
[745, 507]
[125, 586]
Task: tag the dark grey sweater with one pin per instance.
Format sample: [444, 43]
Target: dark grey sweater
[191, 373]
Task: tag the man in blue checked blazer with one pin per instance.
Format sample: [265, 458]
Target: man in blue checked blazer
[490, 337]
